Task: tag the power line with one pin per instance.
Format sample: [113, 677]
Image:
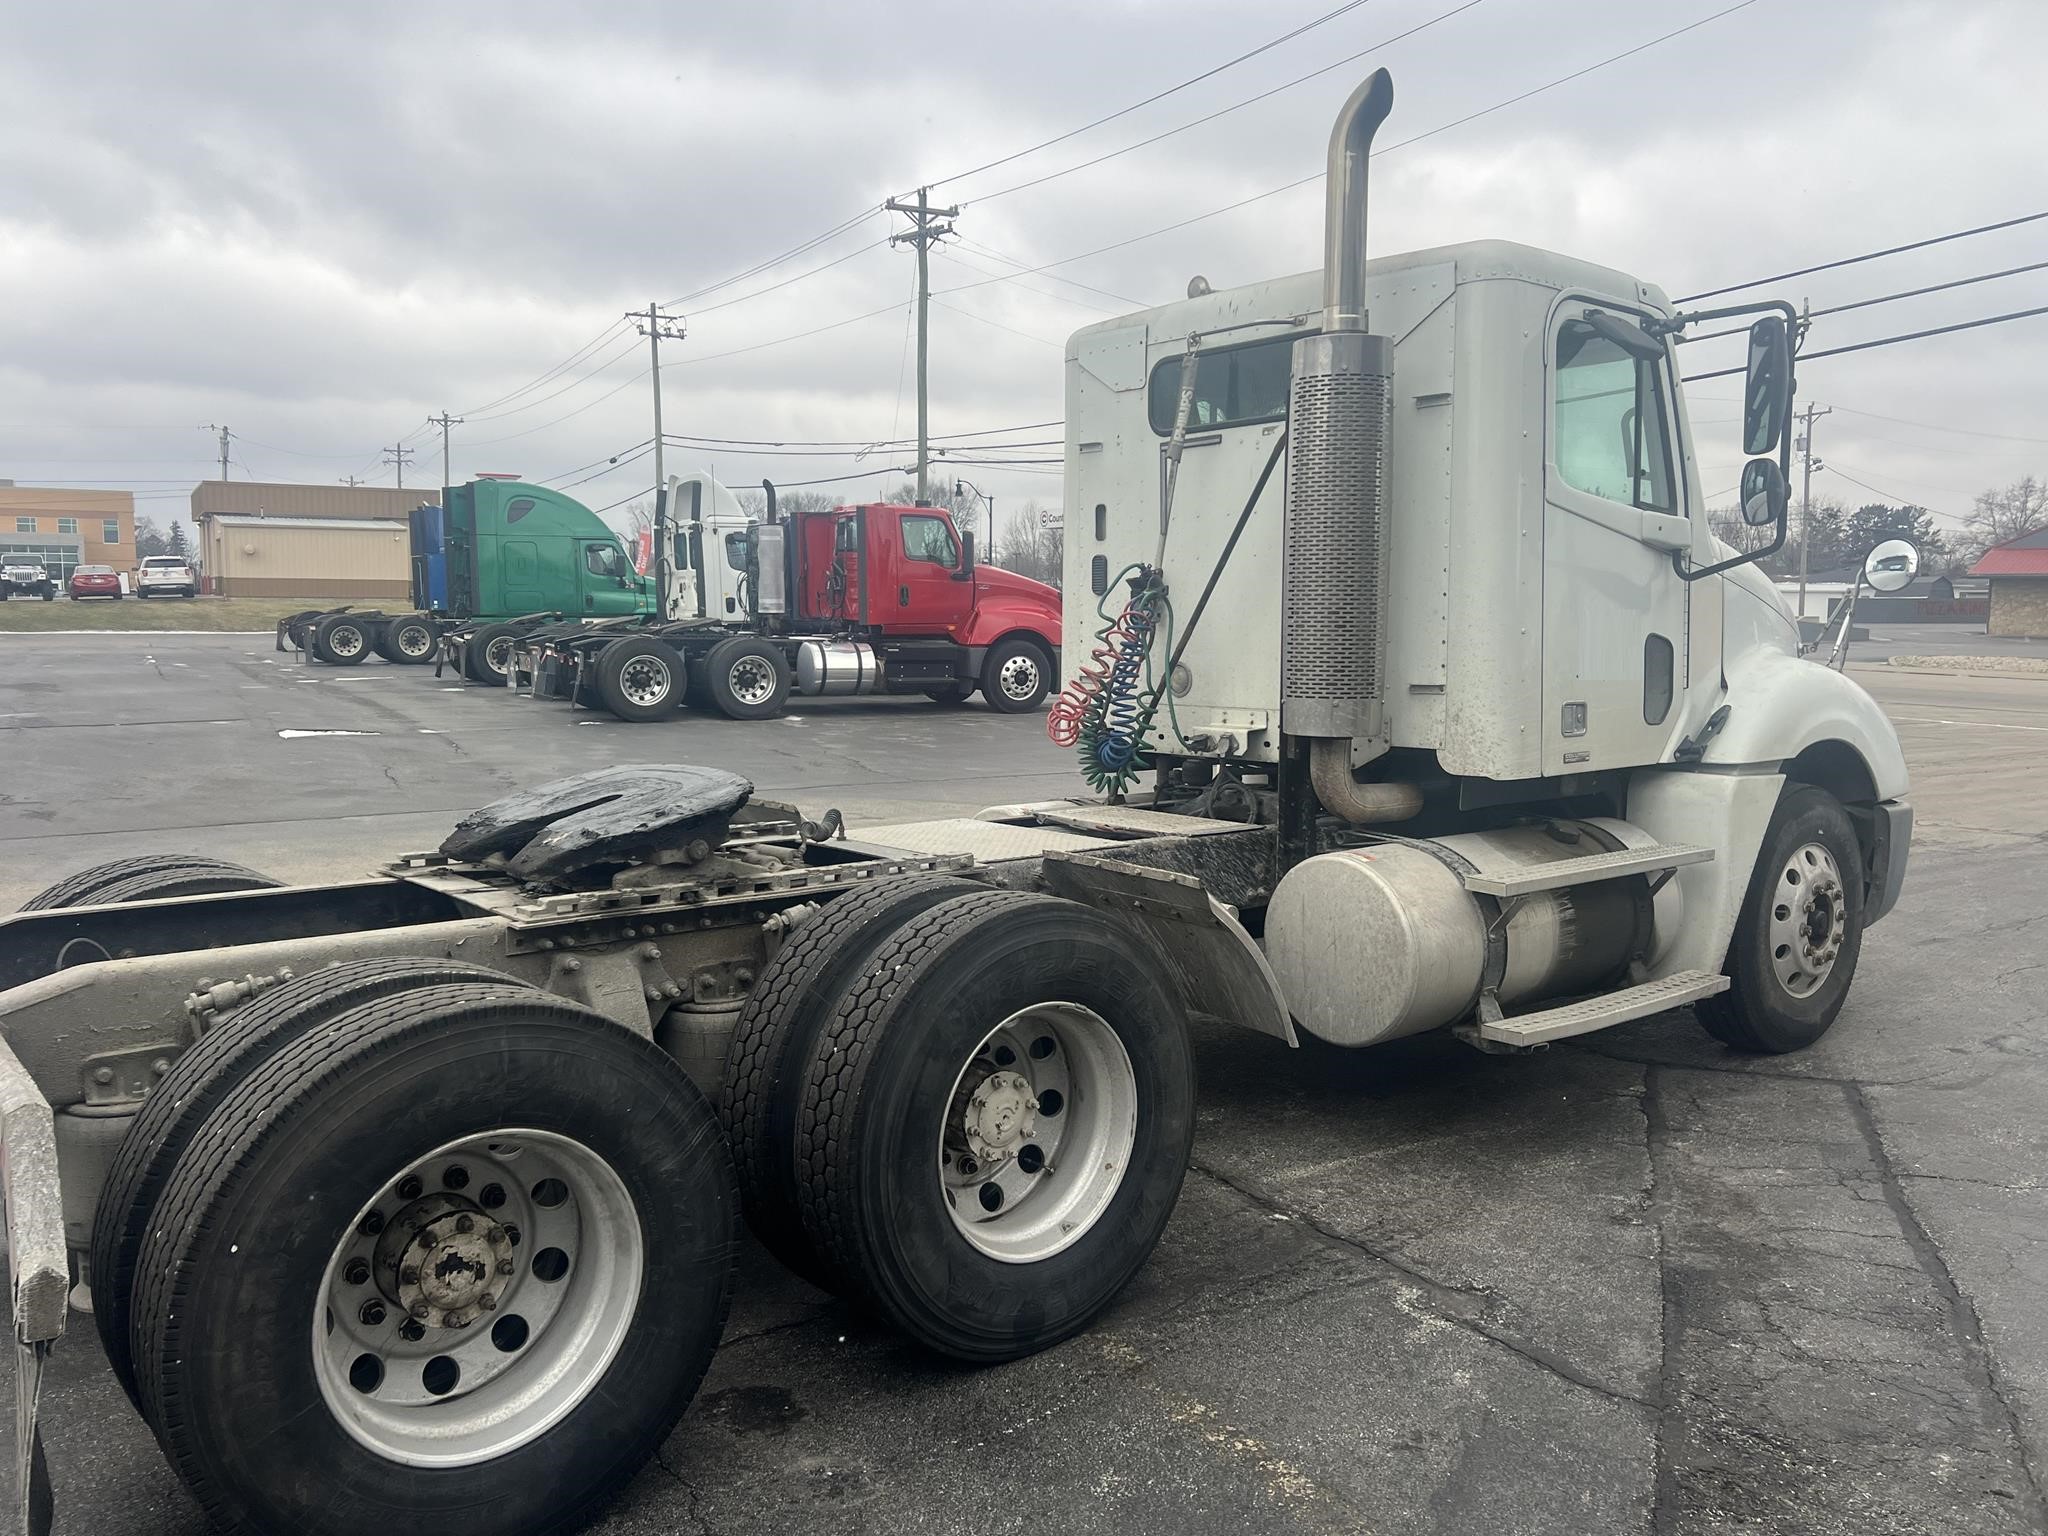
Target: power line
[622, 463]
[1850, 261]
[1930, 426]
[1888, 341]
[1043, 341]
[630, 344]
[1004, 257]
[1902, 501]
[568, 362]
[1885, 298]
[864, 442]
[1235, 106]
[567, 415]
[612, 459]
[842, 227]
[873, 245]
[1256, 197]
[631, 496]
[1061, 138]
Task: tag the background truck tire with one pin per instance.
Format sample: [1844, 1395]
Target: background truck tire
[765, 1067]
[487, 654]
[340, 640]
[197, 1083]
[747, 679]
[951, 693]
[624, 1239]
[1800, 932]
[1016, 675]
[147, 877]
[407, 641]
[640, 678]
[962, 1021]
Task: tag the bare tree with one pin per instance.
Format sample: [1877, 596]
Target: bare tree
[1031, 544]
[2002, 514]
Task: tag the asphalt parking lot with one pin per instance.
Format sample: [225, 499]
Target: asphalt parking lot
[1632, 1283]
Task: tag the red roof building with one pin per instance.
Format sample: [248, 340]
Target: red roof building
[2018, 570]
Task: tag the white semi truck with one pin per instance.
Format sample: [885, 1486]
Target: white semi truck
[1423, 698]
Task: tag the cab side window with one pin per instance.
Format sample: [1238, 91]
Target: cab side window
[928, 538]
[604, 560]
[1612, 435]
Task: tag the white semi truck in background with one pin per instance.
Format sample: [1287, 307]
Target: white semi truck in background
[1419, 694]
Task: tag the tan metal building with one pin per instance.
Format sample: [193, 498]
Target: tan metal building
[273, 539]
[65, 528]
[324, 557]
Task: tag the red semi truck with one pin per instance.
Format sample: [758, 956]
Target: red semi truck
[863, 599]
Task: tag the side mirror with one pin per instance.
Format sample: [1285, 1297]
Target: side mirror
[1891, 566]
[1767, 386]
[966, 571]
[1765, 496]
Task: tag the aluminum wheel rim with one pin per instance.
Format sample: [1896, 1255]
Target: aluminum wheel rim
[1037, 1134]
[1809, 919]
[1018, 677]
[414, 640]
[752, 680]
[498, 654]
[645, 680]
[344, 640]
[496, 1358]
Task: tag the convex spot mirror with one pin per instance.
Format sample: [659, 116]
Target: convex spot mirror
[1764, 495]
[1891, 566]
[1767, 386]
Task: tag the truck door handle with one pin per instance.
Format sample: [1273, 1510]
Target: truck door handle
[903, 597]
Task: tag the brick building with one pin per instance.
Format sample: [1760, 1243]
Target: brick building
[2018, 570]
[66, 528]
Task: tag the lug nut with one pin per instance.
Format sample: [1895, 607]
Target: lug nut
[410, 1275]
[411, 1331]
[372, 1313]
[487, 1302]
[371, 1224]
[103, 1075]
[357, 1272]
[426, 1239]
[420, 1309]
[409, 1187]
[505, 1266]
[465, 1224]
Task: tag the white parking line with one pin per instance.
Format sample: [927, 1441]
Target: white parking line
[1994, 725]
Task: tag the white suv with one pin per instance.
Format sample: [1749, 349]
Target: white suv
[161, 574]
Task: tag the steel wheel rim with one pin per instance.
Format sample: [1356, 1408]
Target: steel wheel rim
[344, 640]
[645, 680]
[1809, 918]
[498, 655]
[1018, 677]
[414, 640]
[751, 679]
[1037, 1133]
[522, 1360]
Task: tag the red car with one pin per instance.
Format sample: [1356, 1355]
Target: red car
[95, 581]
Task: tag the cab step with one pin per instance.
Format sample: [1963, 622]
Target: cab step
[1523, 879]
[1591, 1013]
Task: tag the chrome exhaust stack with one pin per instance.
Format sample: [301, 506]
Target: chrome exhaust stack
[1334, 550]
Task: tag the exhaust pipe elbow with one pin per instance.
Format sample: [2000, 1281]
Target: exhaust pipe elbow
[1344, 205]
[1329, 771]
[768, 490]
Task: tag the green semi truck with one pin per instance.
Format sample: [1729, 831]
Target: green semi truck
[491, 561]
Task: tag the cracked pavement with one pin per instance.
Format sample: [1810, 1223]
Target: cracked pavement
[1632, 1283]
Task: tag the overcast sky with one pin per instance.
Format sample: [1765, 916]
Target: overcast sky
[319, 224]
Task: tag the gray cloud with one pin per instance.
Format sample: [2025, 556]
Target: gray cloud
[322, 224]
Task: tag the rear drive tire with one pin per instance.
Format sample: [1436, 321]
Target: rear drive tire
[747, 679]
[196, 1085]
[487, 654]
[1016, 675]
[640, 678]
[341, 640]
[302, 1376]
[1800, 931]
[147, 877]
[779, 1023]
[952, 693]
[996, 1123]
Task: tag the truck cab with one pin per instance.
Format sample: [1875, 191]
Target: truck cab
[511, 548]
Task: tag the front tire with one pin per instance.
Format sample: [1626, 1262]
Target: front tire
[1800, 932]
[1016, 675]
[996, 1123]
[506, 1362]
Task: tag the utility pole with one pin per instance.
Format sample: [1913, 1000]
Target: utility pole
[925, 232]
[397, 456]
[1809, 464]
[444, 421]
[657, 328]
[350, 481]
[224, 435]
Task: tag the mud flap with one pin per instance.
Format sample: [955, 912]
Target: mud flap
[1223, 975]
[39, 1270]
